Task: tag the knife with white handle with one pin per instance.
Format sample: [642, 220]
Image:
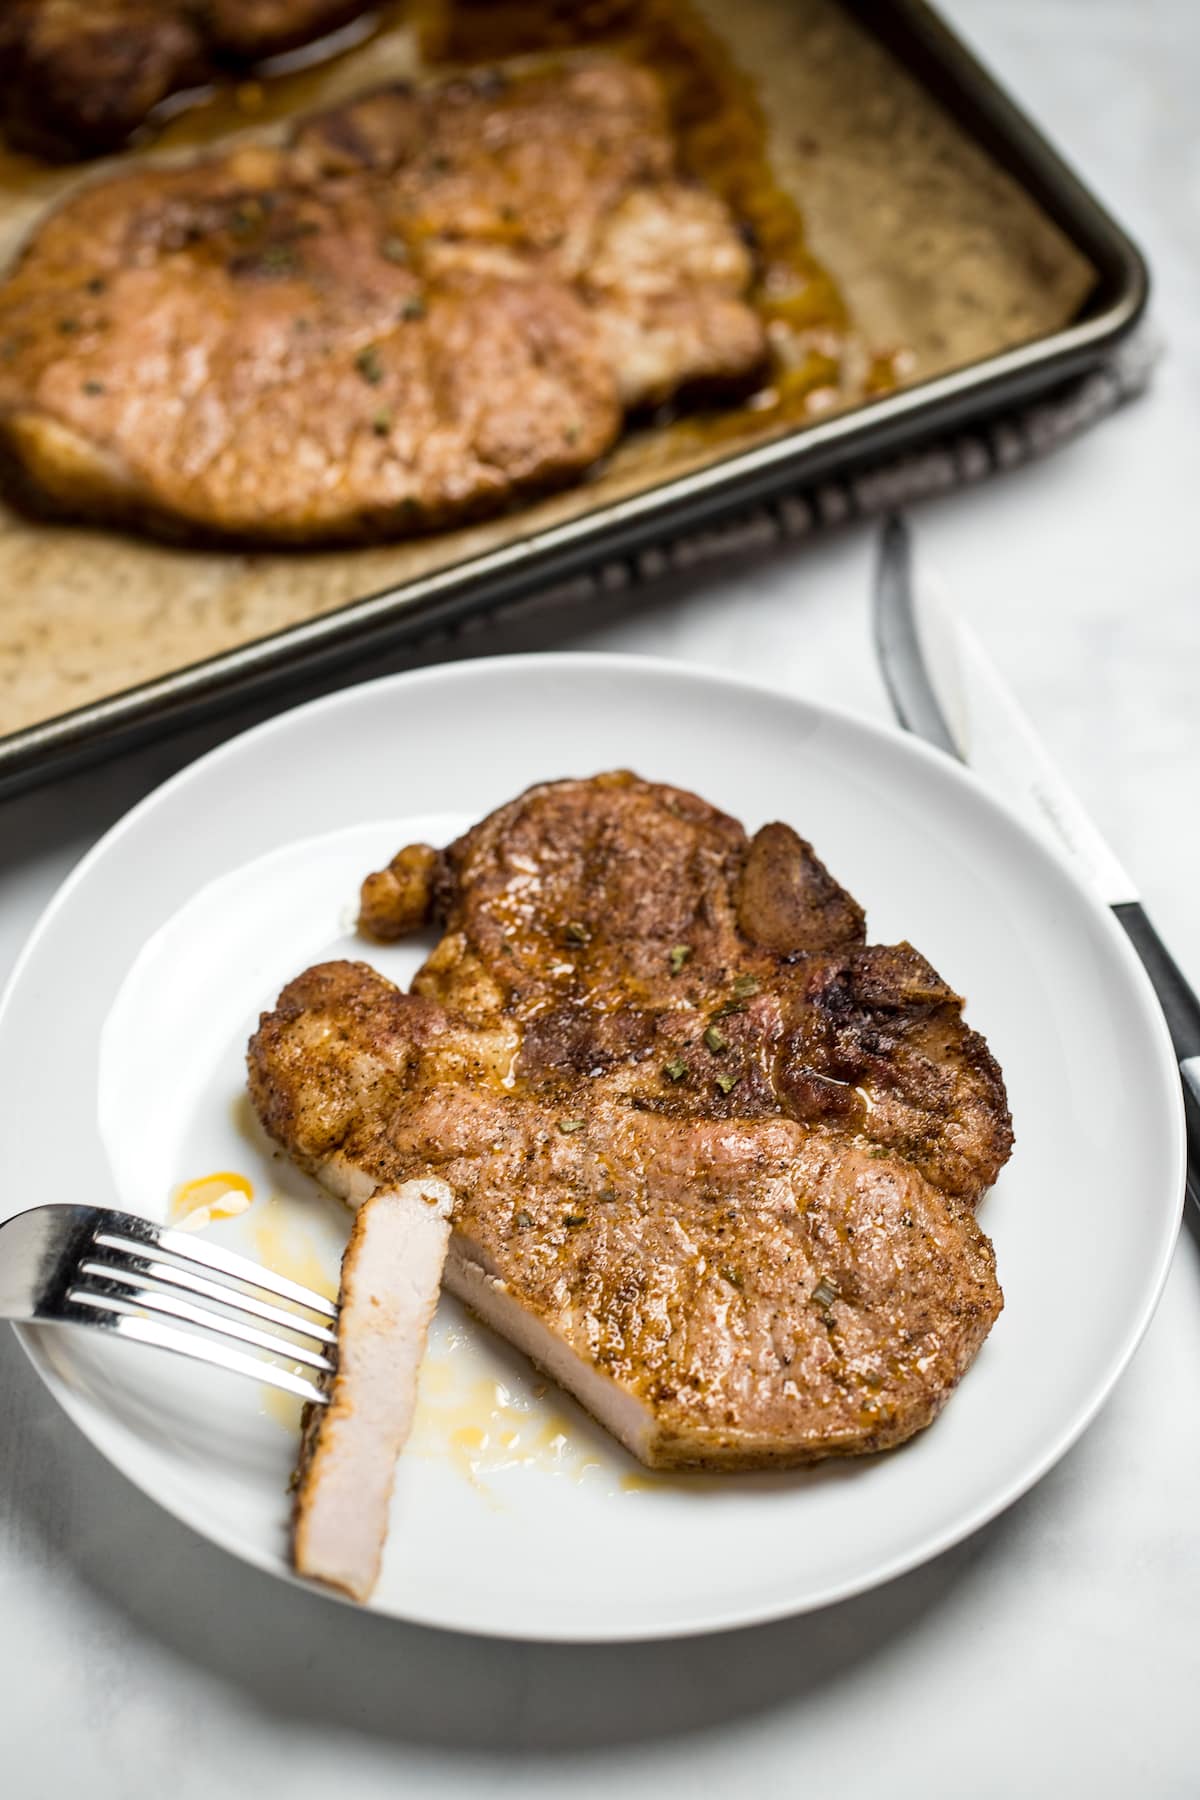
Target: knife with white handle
[944, 688]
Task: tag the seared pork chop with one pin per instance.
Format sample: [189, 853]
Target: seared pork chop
[78, 77]
[428, 304]
[391, 1274]
[714, 1158]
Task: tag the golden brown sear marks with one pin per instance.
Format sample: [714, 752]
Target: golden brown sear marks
[432, 302]
[728, 1179]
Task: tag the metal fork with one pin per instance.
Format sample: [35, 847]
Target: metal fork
[81, 1265]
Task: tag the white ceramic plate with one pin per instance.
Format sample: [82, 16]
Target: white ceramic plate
[121, 1041]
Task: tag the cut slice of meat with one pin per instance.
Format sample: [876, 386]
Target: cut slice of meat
[714, 1158]
[391, 1276]
[433, 302]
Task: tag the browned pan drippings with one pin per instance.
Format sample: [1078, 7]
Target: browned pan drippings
[891, 247]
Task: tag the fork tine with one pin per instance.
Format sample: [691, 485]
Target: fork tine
[116, 1290]
[137, 1269]
[113, 1317]
[122, 1231]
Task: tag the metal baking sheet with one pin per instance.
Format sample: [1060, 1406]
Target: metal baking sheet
[950, 225]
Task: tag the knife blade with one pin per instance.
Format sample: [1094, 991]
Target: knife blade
[945, 689]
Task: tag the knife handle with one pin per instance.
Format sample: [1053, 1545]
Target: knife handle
[1181, 1009]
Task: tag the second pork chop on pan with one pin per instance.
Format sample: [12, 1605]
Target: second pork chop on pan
[79, 77]
[429, 303]
[714, 1158]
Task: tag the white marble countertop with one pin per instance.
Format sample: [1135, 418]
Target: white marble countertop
[1055, 1653]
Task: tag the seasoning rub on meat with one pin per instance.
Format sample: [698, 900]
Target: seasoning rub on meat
[430, 303]
[714, 1157]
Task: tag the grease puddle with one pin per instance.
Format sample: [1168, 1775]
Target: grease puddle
[481, 1409]
[487, 1420]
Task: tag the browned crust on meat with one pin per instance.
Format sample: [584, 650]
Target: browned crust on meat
[736, 1181]
[431, 304]
[79, 77]
[787, 899]
[630, 944]
[400, 899]
[248, 30]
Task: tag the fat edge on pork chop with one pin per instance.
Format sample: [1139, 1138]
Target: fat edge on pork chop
[429, 304]
[715, 1158]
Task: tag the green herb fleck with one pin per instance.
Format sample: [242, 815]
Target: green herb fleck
[679, 955]
[381, 424]
[675, 1070]
[575, 1219]
[744, 986]
[606, 1194]
[877, 1150]
[825, 1292]
[569, 1125]
[244, 221]
[730, 1006]
[732, 1276]
[524, 1219]
[369, 366]
[93, 387]
[572, 434]
[727, 1083]
[413, 308]
[576, 933]
[394, 249]
[278, 259]
[716, 1040]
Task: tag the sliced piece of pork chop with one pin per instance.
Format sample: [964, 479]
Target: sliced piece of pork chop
[391, 1276]
[714, 1158]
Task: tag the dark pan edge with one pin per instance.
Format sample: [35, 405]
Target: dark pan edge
[915, 32]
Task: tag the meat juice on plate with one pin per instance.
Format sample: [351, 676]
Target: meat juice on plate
[479, 1409]
[481, 1415]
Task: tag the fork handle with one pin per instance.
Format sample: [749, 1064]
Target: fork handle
[1181, 1009]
